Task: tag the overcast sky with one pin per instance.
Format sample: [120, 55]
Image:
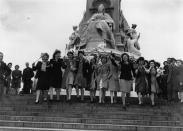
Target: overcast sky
[29, 27]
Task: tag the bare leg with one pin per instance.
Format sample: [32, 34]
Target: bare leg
[70, 92]
[51, 93]
[67, 94]
[115, 97]
[82, 94]
[94, 94]
[58, 93]
[45, 95]
[103, 95]
[100, 96]
[77, 91]
[152, 99]
[91, 95]
[140, 98]
[123, 96]
[111, 94]
[5, 90]
[37, 95]
[181, 97]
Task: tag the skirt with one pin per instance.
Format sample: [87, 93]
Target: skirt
[16, 84]
[80, 81]
[43, 82]
[69, 80]
[125, 85]
[113, 84]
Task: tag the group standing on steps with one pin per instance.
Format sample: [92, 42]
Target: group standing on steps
[96, 73]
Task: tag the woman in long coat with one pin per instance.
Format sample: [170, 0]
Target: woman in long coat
[69, 75]
[56, 74]
[82, 66]
[42, 74]
[141, 83]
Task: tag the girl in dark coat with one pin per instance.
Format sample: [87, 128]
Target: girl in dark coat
[56, 74]
[42, 74]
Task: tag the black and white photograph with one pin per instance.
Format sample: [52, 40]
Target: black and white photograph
[91, 65]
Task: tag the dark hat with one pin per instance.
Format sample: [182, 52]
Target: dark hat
[134, 26]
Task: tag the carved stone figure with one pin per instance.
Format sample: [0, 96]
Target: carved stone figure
[98, 30]
[74, 38]
[132, 42]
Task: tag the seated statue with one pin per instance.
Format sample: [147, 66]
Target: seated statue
[101, 15]
[98, 31]
[132, 42]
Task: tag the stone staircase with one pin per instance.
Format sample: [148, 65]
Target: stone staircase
[19, 113]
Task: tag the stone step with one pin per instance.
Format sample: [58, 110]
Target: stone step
[89, 120]
[92, 115]
[60, 125]
[5, 128]
[161, 108]
[80, 110]
[74, 99]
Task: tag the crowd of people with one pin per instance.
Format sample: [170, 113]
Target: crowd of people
[102, 72]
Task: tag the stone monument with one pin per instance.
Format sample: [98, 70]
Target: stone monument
[104, 26]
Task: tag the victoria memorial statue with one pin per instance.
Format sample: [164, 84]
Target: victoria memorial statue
[104, 28]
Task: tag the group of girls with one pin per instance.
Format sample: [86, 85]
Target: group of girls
[102, 73]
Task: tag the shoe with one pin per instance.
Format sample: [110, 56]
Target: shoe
[141, 104]
[36, 102]
[153, 105]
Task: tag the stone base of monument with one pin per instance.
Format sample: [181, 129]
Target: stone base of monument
[19, 113]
